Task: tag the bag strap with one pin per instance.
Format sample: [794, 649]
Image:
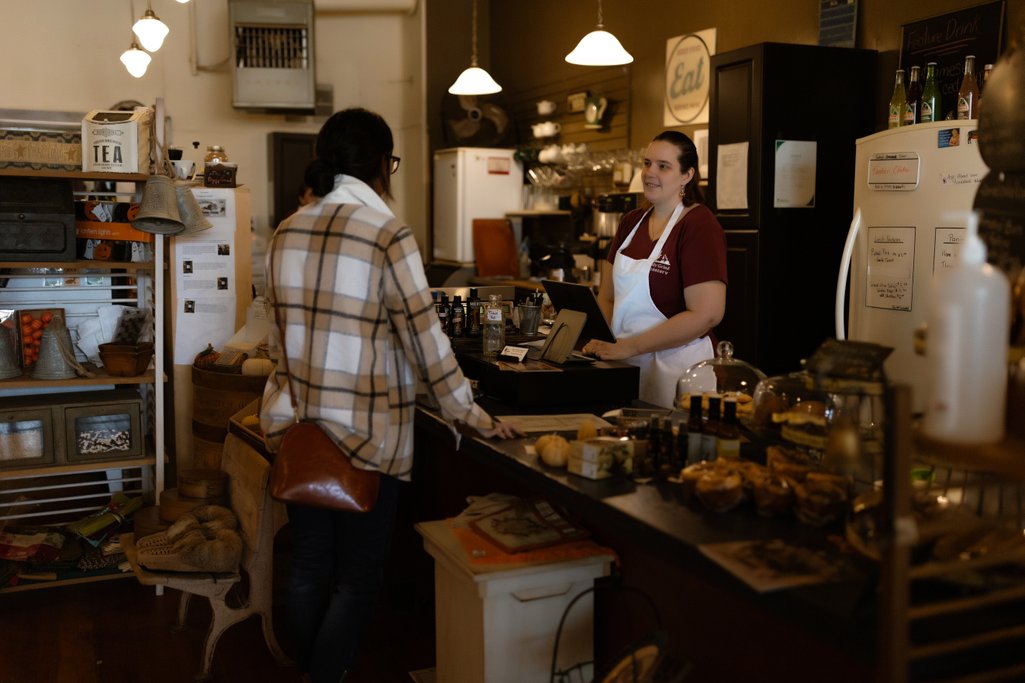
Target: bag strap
[281, 333]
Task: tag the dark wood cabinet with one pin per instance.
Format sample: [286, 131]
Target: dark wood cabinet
[783, 262]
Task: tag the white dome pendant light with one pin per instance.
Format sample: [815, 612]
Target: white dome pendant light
[150, 30]
[599, 48]
[135, 60]
[474, 80]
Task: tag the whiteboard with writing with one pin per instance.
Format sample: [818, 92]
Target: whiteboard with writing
[891, 268]
[947, 248]
[893, 171]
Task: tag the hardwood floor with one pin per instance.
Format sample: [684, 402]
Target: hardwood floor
[121, 632]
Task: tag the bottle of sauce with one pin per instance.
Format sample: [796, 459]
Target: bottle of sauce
[666, 442]
[968, 93]
[931, 101]
[968, 319]
[710, 430]
[912, 108]
[215, 154]
[473, 310]
[458, 317]
[694, 429]
[650, 464]
[443, 312]
[898, 101]
[493, 326]
[727, 440]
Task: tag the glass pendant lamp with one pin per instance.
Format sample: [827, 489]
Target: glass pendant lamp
[474, 80]
[150, 30]
[135, 60]
[599, 48]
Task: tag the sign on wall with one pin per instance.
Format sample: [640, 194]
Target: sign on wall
[688, 73]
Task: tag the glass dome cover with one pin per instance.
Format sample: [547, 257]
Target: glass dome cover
[724, 375]
[792, 407]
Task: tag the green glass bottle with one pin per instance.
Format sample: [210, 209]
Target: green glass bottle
[932, 104]
[913, 106]
[898, 101]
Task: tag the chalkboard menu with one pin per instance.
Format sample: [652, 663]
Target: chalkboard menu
[1000, 202]
[946, 39]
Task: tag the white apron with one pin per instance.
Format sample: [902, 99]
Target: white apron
[634, 312]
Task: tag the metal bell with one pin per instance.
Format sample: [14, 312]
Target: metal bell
[189, 210]
[8, 361]
[158, 210]
[53, 362]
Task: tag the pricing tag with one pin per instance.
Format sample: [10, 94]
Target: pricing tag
[516, 353]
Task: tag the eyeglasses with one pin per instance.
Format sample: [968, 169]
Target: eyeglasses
[395, 164]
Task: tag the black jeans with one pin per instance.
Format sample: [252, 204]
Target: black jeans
[337, 570]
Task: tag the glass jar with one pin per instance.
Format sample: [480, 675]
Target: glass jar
[493, 326]
[723, 375]
[215, 154]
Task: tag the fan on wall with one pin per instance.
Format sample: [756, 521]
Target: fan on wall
[476, 121]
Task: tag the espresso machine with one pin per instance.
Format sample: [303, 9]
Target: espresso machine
[608, 211]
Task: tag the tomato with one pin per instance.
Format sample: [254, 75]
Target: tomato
[37, 324]
[46, 316]
[26, 318]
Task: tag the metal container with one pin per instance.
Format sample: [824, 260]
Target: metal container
[609, 210]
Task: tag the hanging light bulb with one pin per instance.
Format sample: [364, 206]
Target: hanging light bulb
[599, 48]
[135, 60]
[182, 2]
[151, 31]
[474, 80]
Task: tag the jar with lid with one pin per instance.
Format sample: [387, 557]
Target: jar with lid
[723, 375]
[792, 408]
[215, 154]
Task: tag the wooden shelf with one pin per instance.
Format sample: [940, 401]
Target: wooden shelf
[96, 466]
[33, 584]
[79, 265]
[101, 379]
[73, 175]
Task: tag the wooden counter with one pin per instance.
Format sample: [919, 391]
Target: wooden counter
[725, 629]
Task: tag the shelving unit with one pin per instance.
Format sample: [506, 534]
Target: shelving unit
[54, 494]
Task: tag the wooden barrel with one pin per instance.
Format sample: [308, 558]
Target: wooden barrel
[216, 396]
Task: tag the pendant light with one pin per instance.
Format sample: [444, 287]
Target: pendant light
[599, 48]
[474, 80]
[150, 30]
[135, 60]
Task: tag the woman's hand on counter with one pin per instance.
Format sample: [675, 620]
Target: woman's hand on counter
[601, 350]
[503, 430]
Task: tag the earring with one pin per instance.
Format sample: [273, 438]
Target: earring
[683, 192]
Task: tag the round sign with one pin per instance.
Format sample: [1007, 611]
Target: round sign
[688, 70]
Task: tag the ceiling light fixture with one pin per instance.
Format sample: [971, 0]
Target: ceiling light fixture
[474, 80]
[599, 48]
[150, 30]
[135, 60]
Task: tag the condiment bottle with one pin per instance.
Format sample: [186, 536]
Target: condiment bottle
[458, 317]
[215, 154]
[931, 100]
[493, 326]
[694, 429]
[710, 430]
[443, 312]
[912, 108]
[968, 93]
[968, 325]
[727, 440]
[667, 464]
[897, 101]
[473, 310]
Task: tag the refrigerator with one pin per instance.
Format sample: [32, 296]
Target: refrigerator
[471, 182]
[913, 188]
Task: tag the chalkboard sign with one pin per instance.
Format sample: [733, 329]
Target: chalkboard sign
[947, 39]
[1000, 201]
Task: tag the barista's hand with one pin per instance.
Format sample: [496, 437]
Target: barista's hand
[606, 351]
[503, 430]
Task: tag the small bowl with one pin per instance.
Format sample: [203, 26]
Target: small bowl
[126, 360]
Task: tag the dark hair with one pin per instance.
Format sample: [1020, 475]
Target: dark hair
[688, 159]
[355, 142]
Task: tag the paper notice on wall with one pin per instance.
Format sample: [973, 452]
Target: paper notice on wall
[731, 176]
[205, 289]
[794, 182]
[891, 268]
[947, 248]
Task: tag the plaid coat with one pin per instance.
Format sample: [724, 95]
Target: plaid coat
[347, 284]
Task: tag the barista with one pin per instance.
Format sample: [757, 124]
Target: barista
[668, 284]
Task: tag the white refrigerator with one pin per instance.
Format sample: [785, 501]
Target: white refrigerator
[913, 187]
[471, 182]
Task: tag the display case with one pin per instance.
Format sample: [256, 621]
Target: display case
[54, 470]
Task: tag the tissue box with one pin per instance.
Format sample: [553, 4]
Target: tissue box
[117, 141]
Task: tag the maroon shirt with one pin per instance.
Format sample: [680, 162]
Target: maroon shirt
[694, 252]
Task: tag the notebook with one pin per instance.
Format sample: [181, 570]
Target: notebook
[580, 298]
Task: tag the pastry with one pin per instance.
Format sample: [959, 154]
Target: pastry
[720, 489]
